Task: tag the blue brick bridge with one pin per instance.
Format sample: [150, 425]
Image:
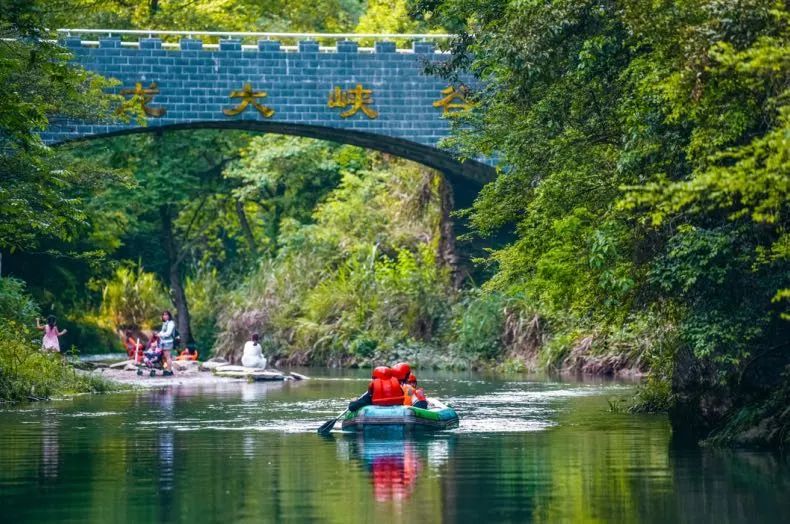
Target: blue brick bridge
[379, 98]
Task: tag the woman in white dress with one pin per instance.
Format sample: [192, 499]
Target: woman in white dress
[253, 354]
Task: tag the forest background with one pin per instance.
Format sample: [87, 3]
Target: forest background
[638, 222]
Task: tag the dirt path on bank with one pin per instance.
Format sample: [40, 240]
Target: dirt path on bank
[191, 377]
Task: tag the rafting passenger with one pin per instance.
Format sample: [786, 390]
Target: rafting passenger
[414, 395]
[384, 390]
[401, 371]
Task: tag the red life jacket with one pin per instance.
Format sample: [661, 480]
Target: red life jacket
[412, 394]
[385, 389]
[186, 355]
[419, 394]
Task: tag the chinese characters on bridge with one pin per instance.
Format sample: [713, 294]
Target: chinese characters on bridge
[358, 98]
[144, 96]
[454, 99]
[248, 96]
[354, 100]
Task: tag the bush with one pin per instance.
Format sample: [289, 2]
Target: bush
[478, 324]
[131, 299]
[361, 281]
[15, 304]
[205, 293]
[27, 373]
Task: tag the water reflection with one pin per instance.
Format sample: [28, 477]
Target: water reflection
[251, 392]
[737, 485]
[50, 446]
[395, 463]
[249, 453]
[166, 456]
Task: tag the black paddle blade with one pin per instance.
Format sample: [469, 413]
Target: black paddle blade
[327, 426]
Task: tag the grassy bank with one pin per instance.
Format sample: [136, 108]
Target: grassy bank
[26, 373]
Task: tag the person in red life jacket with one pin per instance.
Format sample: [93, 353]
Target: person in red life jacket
[190, 352]
[383, 390]
[413, 395]
[401, 371]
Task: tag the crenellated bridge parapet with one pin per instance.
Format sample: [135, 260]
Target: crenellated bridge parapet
[332, 86]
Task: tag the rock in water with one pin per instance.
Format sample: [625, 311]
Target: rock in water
[213, 363]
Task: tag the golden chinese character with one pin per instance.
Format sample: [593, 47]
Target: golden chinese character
[358, 98]
[145, 95]
[448, 101]
[248, 97]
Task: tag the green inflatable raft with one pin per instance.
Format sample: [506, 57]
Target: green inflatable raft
[406, 418]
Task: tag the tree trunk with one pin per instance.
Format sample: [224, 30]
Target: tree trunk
[447, 250]
[274, 230]
[174, 272]
[245, 226]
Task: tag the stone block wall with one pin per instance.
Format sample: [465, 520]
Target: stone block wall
[194, 85]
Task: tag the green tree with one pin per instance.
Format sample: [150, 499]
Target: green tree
[168, 218]
[644, 171]
[41, 196]
[208, 15]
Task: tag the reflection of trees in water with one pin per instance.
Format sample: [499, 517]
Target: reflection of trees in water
[730, 486]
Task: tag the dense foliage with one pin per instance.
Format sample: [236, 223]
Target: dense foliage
[41, 194]
[647, 177]
[25, 372]
[644, 184]
[38, 85]
[357, 280]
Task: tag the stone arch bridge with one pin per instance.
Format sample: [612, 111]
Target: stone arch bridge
[376, 97]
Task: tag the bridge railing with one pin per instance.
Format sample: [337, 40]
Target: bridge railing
[289, 42]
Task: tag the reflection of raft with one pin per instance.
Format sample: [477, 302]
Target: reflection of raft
[403, 417]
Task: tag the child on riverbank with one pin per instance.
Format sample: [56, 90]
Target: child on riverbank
[50, 341]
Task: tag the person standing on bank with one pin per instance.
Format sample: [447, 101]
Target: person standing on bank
[166, 341]
[50, 341]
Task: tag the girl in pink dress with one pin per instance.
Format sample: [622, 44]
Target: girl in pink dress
[50, 341]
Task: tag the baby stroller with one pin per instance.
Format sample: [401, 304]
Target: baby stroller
[152, 359]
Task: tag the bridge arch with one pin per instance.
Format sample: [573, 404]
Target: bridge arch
[466, 177]
[379, 97]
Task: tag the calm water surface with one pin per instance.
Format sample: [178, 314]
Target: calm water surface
[527, 450]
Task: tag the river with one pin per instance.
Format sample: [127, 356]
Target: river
[527, 450]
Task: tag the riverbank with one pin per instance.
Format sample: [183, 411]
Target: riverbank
[180, 378]
[123, 373]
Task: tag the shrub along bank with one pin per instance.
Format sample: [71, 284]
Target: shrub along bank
[26, 373]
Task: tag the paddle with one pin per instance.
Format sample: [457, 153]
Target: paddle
[327, 426]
